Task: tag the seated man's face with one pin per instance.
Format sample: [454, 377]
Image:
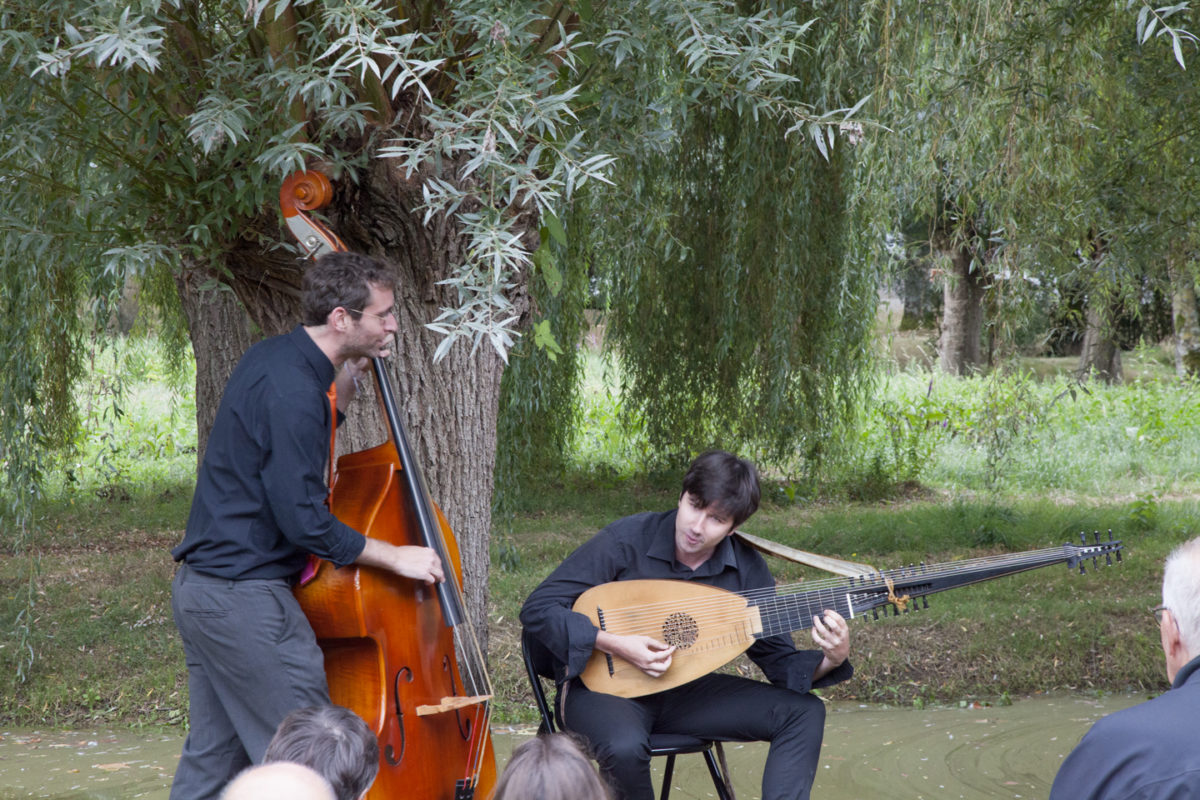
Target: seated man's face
[698, 530]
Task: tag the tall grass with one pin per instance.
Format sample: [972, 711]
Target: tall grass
[133, 460]
[136, 423]
[1029, 431]
[606, 442]
[1004, 433]
[1012, 433]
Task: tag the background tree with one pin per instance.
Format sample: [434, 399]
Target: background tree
[149, 139]
[1032, 125]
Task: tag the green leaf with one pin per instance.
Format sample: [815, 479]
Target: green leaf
[543, 337]
[544, 259]
[555, 228]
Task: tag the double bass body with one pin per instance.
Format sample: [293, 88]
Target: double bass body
[389, 653]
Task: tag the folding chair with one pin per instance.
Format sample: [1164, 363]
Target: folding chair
[661, 744]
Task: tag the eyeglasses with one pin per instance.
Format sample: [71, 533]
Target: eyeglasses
[380, 317]
[1157, 611]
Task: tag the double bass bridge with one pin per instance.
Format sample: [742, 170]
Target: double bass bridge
[452, 704]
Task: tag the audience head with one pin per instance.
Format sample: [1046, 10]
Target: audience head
[721, 479]
[279, 781]
[550, 767]
[332, 740]
[1180, 626]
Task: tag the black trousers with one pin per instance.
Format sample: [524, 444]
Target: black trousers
[719, 707]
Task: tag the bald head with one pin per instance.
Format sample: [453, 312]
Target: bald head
[278, 781]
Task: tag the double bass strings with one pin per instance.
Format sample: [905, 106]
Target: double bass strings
[476, 682]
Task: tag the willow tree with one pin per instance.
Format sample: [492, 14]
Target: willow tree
[737, 312]
[1113, 208]
[149, 139]
[1024, 134]
[927, 182]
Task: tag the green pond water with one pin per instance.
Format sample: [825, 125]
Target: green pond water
[870, 752]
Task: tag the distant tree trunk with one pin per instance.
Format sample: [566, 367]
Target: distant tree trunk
[449, 409]
[1101, 357]
[960, 350]
[1184, 317]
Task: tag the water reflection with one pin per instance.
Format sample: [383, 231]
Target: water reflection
[970, 753]
[91, 765]
[870, 752]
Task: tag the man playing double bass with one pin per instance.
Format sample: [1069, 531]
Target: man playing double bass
[690, 543]
[259, 510]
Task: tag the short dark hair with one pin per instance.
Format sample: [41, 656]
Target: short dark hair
[332, 740]
[551, 766]
[721, 479]
[341, 279]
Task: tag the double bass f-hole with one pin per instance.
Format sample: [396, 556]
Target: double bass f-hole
[389, 752]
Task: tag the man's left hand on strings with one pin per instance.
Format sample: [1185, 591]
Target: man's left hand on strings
[831, 633]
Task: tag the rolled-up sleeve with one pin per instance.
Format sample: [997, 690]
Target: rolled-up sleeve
[547, 614]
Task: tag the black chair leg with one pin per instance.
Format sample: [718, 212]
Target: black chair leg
[668, 771]
[718, 777]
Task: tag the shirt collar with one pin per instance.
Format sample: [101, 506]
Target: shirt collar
[1185, 672]
[322, 366]
[662, 547]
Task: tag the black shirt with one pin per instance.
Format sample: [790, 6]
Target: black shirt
[259, 506]
[643, 546]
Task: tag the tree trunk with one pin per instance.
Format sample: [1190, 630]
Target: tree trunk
[1185, 319]
[960, 350]
[1101, 357]
[449, 409]
[220, 333]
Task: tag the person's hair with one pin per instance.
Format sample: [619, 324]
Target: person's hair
[332, 740]
[341, 279]
[1181, 592]
[551, 766]
[721, 479]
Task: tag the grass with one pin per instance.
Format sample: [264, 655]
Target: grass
[947, 469]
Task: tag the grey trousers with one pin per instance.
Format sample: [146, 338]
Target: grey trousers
[252, 659]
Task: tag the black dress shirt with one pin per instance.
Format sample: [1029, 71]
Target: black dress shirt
[259, 506]
[643, 546]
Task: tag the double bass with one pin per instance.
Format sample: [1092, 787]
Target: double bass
[399, 653]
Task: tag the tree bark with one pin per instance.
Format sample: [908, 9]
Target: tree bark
[449, 409]
[1184, 317]
[1101, 357]
[220, 332]
[960, 350]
